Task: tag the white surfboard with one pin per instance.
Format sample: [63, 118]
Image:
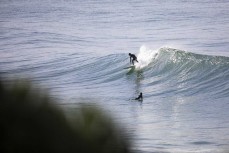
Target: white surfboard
[129, 67]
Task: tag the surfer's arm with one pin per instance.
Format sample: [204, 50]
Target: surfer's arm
[136, 59]
[138, 97]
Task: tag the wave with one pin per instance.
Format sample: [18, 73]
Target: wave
[166, 71]
[180, 72]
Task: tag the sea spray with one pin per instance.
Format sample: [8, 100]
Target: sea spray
[145, 57]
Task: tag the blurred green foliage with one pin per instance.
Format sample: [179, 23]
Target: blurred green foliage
[31, 122]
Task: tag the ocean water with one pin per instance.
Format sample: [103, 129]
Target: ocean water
[78, 51]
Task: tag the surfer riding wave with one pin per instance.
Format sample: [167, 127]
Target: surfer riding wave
[132, 58]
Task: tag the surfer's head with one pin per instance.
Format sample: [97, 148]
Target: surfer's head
[129, 54]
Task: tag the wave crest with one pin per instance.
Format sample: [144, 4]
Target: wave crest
[189, 73]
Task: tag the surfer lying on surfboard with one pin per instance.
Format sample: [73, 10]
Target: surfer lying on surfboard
[140, 97]
[133, 58]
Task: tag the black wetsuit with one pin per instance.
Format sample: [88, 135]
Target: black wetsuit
[134, 58]
[140, 97]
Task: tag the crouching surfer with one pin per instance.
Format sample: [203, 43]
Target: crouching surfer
[133, 58]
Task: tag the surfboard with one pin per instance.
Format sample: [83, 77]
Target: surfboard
[129, 67]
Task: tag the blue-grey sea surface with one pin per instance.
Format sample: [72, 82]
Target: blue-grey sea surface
[78, 51]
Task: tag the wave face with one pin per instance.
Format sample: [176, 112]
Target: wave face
[188, 74]
[162, 73]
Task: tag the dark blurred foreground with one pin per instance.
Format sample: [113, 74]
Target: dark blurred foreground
[31, 123]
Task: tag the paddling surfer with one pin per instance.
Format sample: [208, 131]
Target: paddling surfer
[140, 97]
[133, 58]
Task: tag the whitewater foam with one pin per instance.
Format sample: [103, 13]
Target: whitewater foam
[145, 57]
